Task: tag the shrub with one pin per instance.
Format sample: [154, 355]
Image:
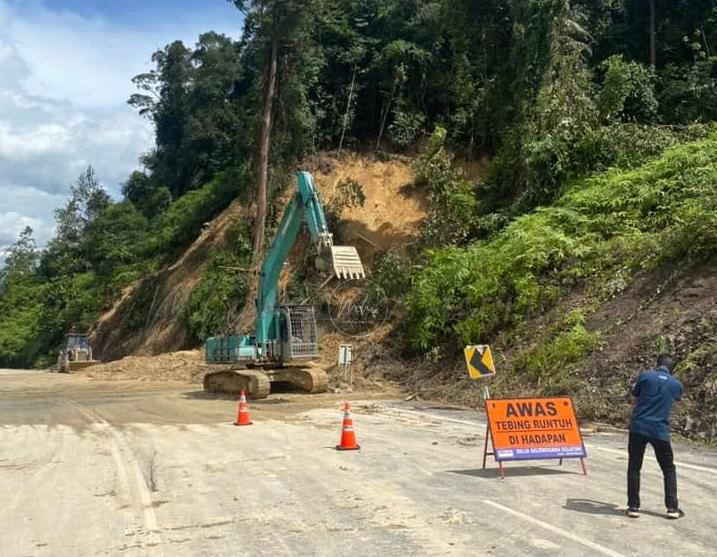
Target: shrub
[212, 306]
[549, 362]
[453, 201]
[182, 222]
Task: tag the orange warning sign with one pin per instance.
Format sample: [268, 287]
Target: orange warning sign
[534, 428]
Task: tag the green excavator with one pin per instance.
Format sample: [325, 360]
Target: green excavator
[284, 342]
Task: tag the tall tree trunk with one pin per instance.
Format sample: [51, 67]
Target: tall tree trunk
[386, 112]
[247, 315]
[264, 144]
[348, 110]
[653, 41]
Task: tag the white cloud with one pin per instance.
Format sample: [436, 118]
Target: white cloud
[64, 81]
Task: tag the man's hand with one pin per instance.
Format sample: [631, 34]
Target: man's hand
[635, 384]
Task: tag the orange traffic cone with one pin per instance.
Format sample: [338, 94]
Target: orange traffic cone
[348, 436]
[243, 411]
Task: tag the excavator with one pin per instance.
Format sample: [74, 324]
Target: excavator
[284, 342]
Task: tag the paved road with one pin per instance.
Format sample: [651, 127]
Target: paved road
[139, 469]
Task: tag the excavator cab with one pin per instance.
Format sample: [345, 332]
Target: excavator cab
[297, 333]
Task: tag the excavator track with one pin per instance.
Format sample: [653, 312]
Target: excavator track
[254, 383]
[307, 379]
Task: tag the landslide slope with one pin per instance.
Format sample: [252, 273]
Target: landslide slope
[148, 318]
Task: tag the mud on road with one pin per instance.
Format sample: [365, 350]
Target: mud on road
[143, 469]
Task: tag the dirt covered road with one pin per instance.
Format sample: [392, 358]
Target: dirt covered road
[146, 469]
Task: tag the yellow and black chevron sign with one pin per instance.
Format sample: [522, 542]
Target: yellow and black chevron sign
[479, 360]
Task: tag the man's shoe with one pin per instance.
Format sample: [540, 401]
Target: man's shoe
[632, 512]
[674, 514]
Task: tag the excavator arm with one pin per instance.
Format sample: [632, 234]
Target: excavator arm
[343, 261]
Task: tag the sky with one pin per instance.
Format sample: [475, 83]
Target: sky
[65, 76]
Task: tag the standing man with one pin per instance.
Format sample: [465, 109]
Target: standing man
[655, 391]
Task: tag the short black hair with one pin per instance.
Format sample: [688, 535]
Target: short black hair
[668, 361]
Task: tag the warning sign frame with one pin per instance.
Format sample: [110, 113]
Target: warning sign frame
[518, 451]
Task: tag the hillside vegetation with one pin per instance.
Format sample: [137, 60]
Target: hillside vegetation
[623, 255]
[562, 170]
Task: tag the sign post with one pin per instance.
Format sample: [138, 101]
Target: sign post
[345, 360]
[479, 360]
[533, 429]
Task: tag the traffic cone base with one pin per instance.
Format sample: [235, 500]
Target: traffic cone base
[242, 412]
[354, 448]
[348, 436]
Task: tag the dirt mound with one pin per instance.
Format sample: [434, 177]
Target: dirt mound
[145, 319]
[186, 366]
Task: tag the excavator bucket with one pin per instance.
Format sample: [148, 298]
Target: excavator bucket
[346, 262]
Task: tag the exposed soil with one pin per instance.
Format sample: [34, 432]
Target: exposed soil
[679, 306]
[392, 213]
[157, 299]
[185, 366]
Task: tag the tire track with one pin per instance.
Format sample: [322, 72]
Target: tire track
[134, 494]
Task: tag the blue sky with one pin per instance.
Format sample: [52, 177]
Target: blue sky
[65, 71]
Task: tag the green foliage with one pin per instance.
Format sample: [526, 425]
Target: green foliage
[635, 219]
[628, 91]
[20, 309]
[189, 97]
[549, 362]
[550, 91]
[182, 222]
[688, 93]
[213, 305]
[349, 193]
[113, 241]
[146, 195]
[20, 258]
[392, 273]
[406, 127]
[453, 202]
[68, 301]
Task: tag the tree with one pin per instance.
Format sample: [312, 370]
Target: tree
[64, 254]
[272, 25]
[146, 195]
[276, 33]
[87, 200]
[164, 101]
[21, 257]
[114, 240]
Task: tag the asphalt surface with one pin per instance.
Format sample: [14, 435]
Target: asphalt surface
[142, 469]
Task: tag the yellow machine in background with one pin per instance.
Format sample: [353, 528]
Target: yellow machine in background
[76, 354]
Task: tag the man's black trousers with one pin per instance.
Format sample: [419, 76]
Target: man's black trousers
[663, 453]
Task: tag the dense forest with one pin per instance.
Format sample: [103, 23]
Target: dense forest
[594, 117]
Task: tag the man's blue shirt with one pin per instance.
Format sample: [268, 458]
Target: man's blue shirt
[655, 390]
